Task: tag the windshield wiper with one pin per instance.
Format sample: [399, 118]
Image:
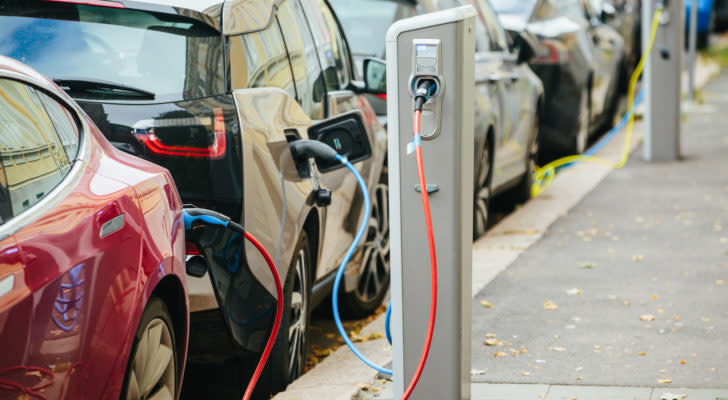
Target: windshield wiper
[100, 88]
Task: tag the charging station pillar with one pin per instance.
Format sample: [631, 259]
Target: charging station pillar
[662, 80]
[440, 46]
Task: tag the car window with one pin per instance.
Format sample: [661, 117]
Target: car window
[66, 126]
[545, 9]
[172, 57]
[571, 8]
[304, 62]
[365, 22]
[330, 43]
[497, 34]
[259, 59]
[34, 158]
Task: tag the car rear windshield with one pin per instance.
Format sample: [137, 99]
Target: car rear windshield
[365, 22]
[112, 53]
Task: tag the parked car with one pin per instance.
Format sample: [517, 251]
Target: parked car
[706, 22]
[93, 297]
[214, 92]
[508, 95]
[581, 62]
[624, 16]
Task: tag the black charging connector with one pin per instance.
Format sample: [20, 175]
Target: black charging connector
[423, 91]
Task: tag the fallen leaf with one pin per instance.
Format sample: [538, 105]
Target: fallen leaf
[664, 381]
[682, 361]
[626, 303]
[654, 297]
[660, 311]
[597, 347]
[491, 342]
[638, 257]
[478, 371]
[647, 317]
[490, 335]
[525, 373]
[574, 291]
[549, 305]
[588, 265]
[500, 354]
[558, 348]
[486, 304]
[662, 371]
[579, 378]
[643, 353]
[705, 319]
[719, 282]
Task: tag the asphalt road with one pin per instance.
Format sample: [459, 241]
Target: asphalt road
[641, 295]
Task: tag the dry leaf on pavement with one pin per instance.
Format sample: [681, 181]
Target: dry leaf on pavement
[549, 305]
[647, 317]
[491, 342]
[500, 354]
[486, 304]
[664, 381]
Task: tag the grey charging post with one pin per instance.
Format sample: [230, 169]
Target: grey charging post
[662, 80]
[438, 46]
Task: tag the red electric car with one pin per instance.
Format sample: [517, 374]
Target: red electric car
[93, 301]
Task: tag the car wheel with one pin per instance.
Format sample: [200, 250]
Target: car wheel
[582, 133]
[523, 191]
[703, 40]
[481, 201]
[152, 372]
[373, 281]
[288, 359]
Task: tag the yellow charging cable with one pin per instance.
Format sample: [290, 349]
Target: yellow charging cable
[543, 176]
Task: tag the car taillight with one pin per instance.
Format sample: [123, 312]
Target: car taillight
[144, 131]
[101, 3]
[192, 250]
[550, 53]
[382, 96]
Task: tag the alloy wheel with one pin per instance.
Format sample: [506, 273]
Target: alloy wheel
[298, 315]
[374, 276]
[481, 202]
[152, 375]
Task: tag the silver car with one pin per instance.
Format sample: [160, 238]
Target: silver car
[508, 95]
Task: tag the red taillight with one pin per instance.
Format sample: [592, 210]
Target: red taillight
[192, 250]
[551, 53]
[214, 151]
[100, 3]
[382, 96]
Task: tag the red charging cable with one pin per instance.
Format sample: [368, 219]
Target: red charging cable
[276, 322]
[433, 259]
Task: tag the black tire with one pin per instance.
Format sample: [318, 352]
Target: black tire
[522, 192]
[482, 190]
[281, 368]
[373, 256]
[156, 313]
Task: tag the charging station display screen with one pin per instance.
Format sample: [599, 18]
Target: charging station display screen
[426, 50]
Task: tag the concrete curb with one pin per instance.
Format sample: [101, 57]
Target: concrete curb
[341, 375]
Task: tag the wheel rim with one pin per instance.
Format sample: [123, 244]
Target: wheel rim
[152, 374]
[375, 251]
[482, 195]
[298, 317]
[583, 134]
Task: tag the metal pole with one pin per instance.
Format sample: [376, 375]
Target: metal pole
[692, 39]
[662, 81]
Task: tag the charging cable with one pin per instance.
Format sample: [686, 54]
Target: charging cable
[543, 176]
[201, 228]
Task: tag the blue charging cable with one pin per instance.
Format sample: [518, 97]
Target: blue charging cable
[342, 268]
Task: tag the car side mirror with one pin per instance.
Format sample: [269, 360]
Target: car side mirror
[375, 75]
[526, 46]
[608, 12]
[344, 133]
